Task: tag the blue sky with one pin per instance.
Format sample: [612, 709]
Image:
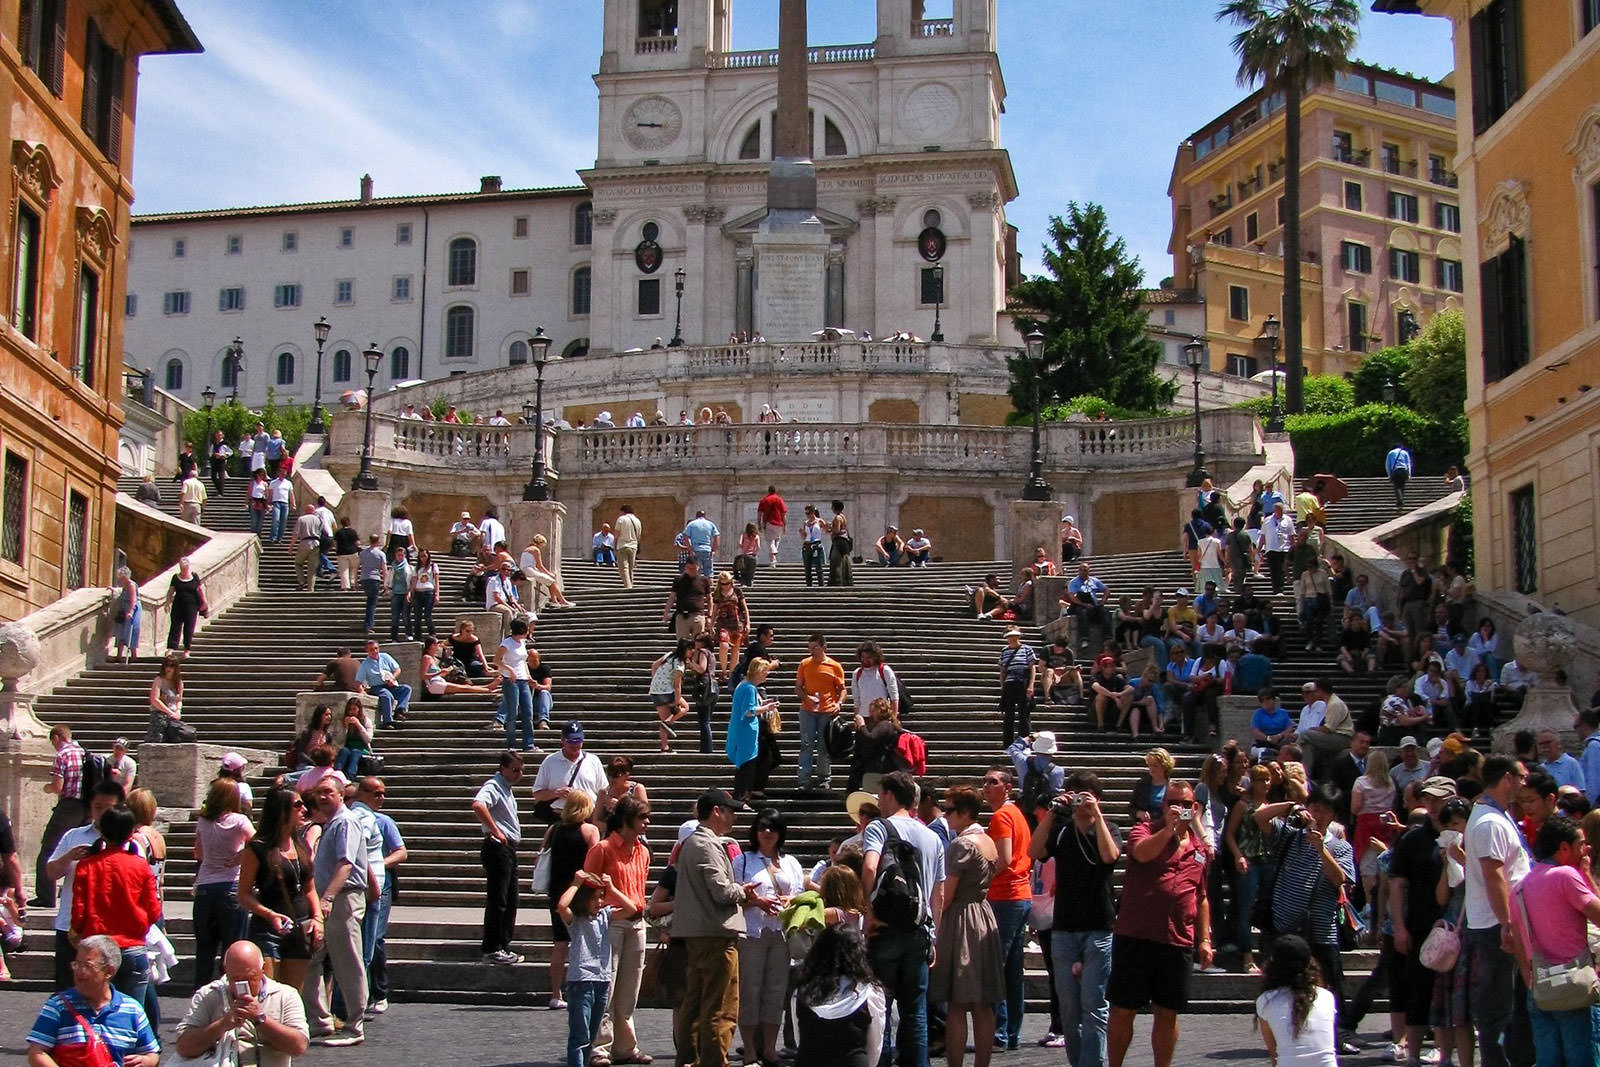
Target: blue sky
[294, 99]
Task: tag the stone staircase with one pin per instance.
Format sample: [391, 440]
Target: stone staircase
[247, 666]
[1371, 501]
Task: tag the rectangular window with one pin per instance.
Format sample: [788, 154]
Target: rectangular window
[931, 286]
[235, 244]
[1357, 316]
[1594, 226]
[347, 237]
[1447, 274]
[1169, 317]
[86, 338]
[77, 556]
[1391, 93]
[1352, 82]
[402, 287]
[1280, 211]
[1505, 312]
[1238, 303]
[130, 306]
[175, 302]
[231, 299]
[1447, 217]
[25, 277]
[1494, 43]
[104, 72]
[179, 247]
[519, 283]
[1355, 258]
[291, 241]
[14, 508]
[1524, 540]
[1404, 265]
[344, 291]
[286, 295]
[1252, 226]
[1352, 196]
[583, 225]
[519, 226]
[1403, 207]
[1344, 149]
[582, 280]
[1389, 156]
[42, 40]
[1241, 366]
[1591, 14]
[649, 296]
[402, 233]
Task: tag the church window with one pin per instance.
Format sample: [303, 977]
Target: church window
[658, 18]
[583, 224]
[750, 147]
[931, 219]
[832, 140]
[649, 296]
[458, 328]
[581, 279]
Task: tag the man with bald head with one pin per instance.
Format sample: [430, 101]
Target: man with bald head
[266, 1016]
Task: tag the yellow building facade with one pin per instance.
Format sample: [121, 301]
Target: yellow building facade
[1529, 159]
[70, 70]
[1380, 218]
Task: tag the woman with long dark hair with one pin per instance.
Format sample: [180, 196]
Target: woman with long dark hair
[219, 837]
[839, 1005]
[318, 731]
[967, 971]
[1294, 1010]
[423, 594]
[763, 951]
[276, 890]
[166, 701]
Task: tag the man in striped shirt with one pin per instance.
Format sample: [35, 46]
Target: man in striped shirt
[115, 1019]
[66, 782]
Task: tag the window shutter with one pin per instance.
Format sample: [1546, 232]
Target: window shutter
[26, 41]
[58, 46]
[1478, 44]
[1516, 286]
[1512, 28]
[89, 117]
[1489, 287]
[117, 71]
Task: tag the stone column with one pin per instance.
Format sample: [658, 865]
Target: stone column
[1034, 523]
[369, 512]
[26, 755]
[524, 518]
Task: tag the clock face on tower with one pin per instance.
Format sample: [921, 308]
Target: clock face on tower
[651, 122]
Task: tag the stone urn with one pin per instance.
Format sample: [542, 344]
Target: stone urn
[19, 654]
[1545, 644]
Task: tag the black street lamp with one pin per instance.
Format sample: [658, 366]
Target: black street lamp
[365, 479]
[208, 399]
[1269, 337]
[235, 358]
[316, 425]
[1195, 353]
[1388, 391]
[1036, 488]
[938, 303]
[539, 348]
[677, 328]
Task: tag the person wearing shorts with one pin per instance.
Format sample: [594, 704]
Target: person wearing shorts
[1162, 925]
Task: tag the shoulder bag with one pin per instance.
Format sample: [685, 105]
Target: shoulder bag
[541, 866]
[545, 810]
[1570, 986]
[1442, 947]
[92, 1053]
[227, 1052]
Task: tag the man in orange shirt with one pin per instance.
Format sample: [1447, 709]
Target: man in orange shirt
[626, 858]
[114, 893]
[819, 683]
[1010, 897]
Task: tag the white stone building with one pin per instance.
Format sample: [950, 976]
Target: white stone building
[906, 139]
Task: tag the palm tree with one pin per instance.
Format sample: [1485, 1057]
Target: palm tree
[1289, 46]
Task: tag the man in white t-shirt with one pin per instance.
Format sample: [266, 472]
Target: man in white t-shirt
[63, 865]
[124, 770]
[568, 768]
[491, 531]
[1496, 864]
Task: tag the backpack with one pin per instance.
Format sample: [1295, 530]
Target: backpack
[840, 737]
[897, 893]
[96, 769]
[910, 753]
[1037, 792]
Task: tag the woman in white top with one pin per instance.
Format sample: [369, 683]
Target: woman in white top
[400, 532]
[423, 594]
[516, 686]
[1295, 1013]
[764, 951]
[533, 569]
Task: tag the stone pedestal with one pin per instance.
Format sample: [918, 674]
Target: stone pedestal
[524, 518]
[25, 764]
[179, 775]
[490, 626]
[1047, 594]
[1547, 706]
[17, 720]
[408, 654]
[1034, 524]
[791, 277]
[369, 512]
[307, 703]
[1233, 719]
[1544, 643]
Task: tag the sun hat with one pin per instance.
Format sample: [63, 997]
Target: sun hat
[858, 800]
[1044, 743]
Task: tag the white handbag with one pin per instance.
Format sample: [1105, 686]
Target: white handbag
[225, 1053]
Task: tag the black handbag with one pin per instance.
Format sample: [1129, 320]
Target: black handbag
[369, 764]
[1261, 909]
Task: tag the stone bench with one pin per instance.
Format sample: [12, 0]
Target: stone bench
[1233, 718]
[490, 628]
[306, 703]
[181, 774]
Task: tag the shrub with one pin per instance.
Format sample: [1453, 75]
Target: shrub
[235, 420]
[1325, 394]
[1377, 370]
[1354, 443]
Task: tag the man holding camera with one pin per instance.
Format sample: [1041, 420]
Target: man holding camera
[262, 1014]
[1076, 834]
[1162, 926]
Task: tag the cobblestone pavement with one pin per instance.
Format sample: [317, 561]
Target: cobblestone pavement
[484, 1036]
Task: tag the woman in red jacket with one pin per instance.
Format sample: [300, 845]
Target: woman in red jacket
[114, 893]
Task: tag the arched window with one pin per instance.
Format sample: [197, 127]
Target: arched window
[230, 373]
[285, 368]
[400, 363]
[832, 139]
[463, 268]
[750, 147]
[518, 354]
[581, 281]
[577, 347]
[458, 328]
[583, 224]
[174, 376]
[341, 365]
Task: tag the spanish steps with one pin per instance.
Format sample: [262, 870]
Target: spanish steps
[247, 665]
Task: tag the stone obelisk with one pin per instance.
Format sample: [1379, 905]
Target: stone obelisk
[791, 245]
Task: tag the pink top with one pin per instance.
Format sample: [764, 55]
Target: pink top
[749, 544]
[1555, 898]
[221, 841]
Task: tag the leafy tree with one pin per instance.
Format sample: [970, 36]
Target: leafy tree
[1289, 46]
[1373, 374]
[1093, 319]
[1436, 381]
[1326, 394]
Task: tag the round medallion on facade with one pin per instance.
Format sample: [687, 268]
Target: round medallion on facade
[647, 256]
[931, 244]
[930, 110]
[651, 122]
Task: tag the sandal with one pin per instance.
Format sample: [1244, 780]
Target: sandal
[635, 1057]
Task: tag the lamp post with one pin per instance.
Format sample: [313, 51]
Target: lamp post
[938, 303]
[1269, 337]
[1195, 353]
[365, 479]
[677, 327]
[539, 348]
[208, 400]
[316, 425]
[235, 359]
[1036, 488]
[1388, 391]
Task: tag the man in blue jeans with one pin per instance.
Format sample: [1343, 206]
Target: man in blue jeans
[899, 951]
[374, 569]
[1010, 898]
[380, 674]
[1086, 847]
[1497, 861]
[385, 849]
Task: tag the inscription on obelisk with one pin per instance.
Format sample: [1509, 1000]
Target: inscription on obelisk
[790, 244]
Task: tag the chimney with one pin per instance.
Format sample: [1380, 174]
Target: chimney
[366, 188]
[490, 183]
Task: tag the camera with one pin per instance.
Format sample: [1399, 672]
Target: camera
[1298, 819]
[1186, 814]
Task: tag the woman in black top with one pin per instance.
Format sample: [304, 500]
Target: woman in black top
[186, 599]
[569, 842]
[875, 742]
[839, 1005]
[275, 888]
[467, 650]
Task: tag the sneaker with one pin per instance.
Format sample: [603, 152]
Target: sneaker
[667, 728]
[378, 1007]
[507, 956]
[1213, 969]
[1394, 1054]
[341, 1040]
[1052, 1040]
[557, 1004]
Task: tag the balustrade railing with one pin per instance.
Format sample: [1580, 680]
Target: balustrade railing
[649, 46]
[936, 28]
[768, 57]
